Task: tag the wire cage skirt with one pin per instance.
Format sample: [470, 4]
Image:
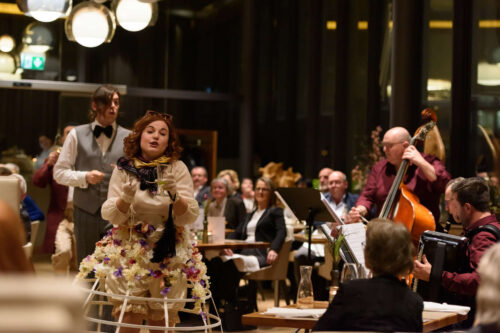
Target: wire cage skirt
[97, 299]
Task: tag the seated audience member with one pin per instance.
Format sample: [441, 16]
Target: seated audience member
[248, 194]
[469, 205]
[232, 178]
[12, 238]
[47, 146]
[383, 303]
[23, 212]
[341, 202]
[265, 224]
[223, 204]
[488, 293]
[323, 180]
[200, 187]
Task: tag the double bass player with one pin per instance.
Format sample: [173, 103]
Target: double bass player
[426, 176]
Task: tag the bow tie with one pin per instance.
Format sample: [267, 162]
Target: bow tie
[108, 131]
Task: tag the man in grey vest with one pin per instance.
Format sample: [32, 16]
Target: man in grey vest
[86, 162]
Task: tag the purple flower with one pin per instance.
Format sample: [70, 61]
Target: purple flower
[162, 266]
[118, 272]
[156, 274]
[203, 315]
[122, 253]
[109, 233]
[117, 242]
[143, 242]
[106, 260]
[150, 272]
[164, 291]
[202, 282]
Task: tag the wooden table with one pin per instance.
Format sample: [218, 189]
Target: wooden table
[232, 244]
[314, 239]
[432, 320]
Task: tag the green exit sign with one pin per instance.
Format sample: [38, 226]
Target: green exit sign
[33, 61]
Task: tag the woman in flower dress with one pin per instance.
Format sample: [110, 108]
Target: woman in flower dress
[149, 252]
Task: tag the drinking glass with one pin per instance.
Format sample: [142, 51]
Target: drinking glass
[161, 171]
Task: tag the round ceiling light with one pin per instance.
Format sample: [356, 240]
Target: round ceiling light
[45, 10]
[38, 38]
[90, 24]
[134, 15]
[7, 43]
[7, 63]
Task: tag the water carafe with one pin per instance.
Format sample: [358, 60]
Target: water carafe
[305, 296]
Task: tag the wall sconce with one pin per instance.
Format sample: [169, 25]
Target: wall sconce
[7, 63]
[38, 38]
[7, 43]
[134, 15]
[45, 10]
[90, 24]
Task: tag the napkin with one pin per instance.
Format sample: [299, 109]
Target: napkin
[431, 306]
[295, 313]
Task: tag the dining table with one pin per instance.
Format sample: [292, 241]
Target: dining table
[432, 320]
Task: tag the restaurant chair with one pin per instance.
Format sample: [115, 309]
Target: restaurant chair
[325, 268]
[35, 226]
[276, 272]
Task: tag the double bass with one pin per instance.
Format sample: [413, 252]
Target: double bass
[401, 204]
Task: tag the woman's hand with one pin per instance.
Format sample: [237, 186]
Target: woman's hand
[226, 252]
[169, 184]
[271, 257]
[129, 188]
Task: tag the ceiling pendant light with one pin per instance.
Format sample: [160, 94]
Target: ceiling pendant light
[45, 10]
[90, 24]
[134, 15]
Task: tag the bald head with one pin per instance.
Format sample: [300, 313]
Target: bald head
[398, 134]
[394, 143]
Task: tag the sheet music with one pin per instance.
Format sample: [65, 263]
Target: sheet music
[286, 205]
[355, 238]
[330, 210]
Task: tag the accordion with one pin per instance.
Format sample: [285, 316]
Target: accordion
[446, 253]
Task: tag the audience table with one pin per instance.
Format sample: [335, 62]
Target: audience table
[432, 320]
[232, 244]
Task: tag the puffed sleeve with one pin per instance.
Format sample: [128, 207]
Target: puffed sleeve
[109, 211]
[185, 190]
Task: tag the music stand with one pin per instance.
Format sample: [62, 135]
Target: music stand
[305, 203]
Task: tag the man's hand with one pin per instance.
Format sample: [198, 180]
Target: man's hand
[422, 270]
[94, 177]
[355, 214]
[52, 159]
[271, 257]
[413, 155]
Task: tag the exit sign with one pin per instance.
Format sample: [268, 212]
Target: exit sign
[33, 61]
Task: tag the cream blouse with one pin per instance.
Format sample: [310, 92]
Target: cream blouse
[145, 206]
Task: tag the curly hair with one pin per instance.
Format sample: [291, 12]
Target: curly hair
[388, 250]
[132, 143]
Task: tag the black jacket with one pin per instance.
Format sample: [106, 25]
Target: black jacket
[234, 212]
[270, 228]
[382, 304]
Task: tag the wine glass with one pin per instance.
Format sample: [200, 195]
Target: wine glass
[349, 272]
[161, 171]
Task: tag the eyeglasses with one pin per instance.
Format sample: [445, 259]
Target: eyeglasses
[262, 189]
[165, 116]
[389, 145]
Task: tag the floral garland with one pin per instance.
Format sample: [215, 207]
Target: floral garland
[126, 253]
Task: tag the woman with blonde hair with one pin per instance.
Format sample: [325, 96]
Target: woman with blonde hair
[383, 303]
